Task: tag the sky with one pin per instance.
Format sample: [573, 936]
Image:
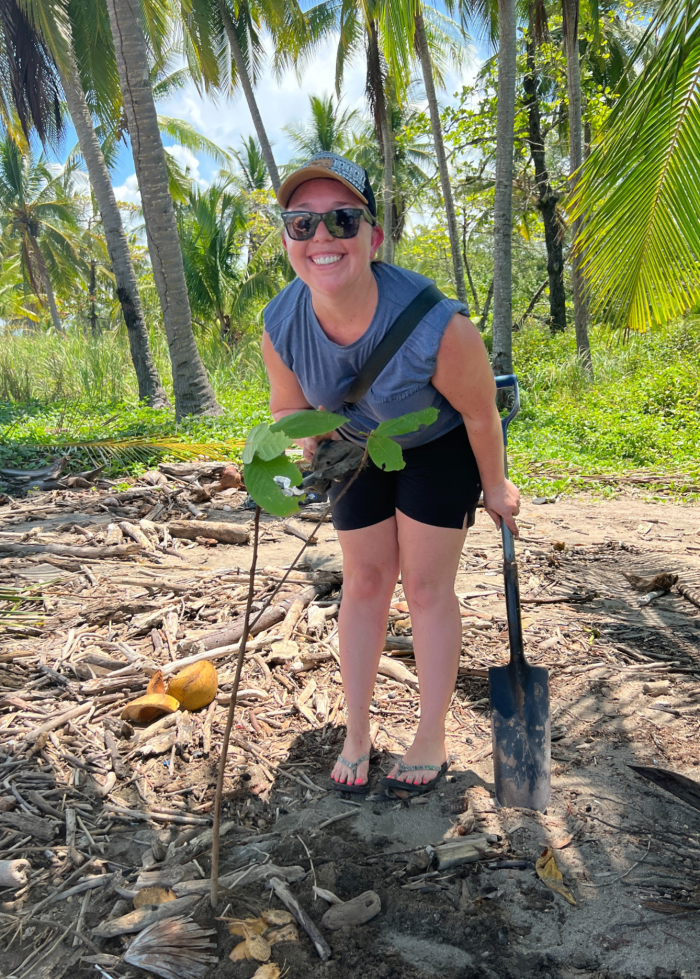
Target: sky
[280, 102]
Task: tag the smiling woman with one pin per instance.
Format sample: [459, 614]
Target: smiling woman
[319, 333]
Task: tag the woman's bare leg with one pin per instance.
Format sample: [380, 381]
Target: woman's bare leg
[429, 562]
[370, 571]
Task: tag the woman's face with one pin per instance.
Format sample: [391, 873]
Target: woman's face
[326, 264]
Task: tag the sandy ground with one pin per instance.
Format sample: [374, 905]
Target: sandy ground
[628, 851]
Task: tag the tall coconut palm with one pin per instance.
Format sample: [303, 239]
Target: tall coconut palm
[360, 25]
[56, 24]
[502, 351]
[40, 217]
[329, 129]
[421, 40]
[639, 191]
[193, 392]
[570, 10]
[547, 198]
[254, 174]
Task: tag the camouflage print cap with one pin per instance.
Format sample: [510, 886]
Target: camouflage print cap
[330, 166]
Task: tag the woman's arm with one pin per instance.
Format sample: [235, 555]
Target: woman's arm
[286, 395]
[463, 375]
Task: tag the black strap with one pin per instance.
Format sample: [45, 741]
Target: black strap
[397, 334]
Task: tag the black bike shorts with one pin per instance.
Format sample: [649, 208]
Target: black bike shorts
[439, 486]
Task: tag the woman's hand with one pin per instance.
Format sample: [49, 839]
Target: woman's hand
[503, 500]
[310, 445]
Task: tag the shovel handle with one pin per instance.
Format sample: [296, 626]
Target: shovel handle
[510, 567]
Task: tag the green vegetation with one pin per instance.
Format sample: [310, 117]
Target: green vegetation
[641, 412]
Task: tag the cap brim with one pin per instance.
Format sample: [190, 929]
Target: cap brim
[300, 177]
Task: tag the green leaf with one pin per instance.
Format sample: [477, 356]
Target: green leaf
[260, 483]
[385, 453]
[264, 443]
[407, 423]
[306, 424]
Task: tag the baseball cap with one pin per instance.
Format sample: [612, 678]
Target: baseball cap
[330, 166]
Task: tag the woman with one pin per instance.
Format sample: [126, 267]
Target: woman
[319, 331]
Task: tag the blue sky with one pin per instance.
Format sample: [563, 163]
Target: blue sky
[280, 102]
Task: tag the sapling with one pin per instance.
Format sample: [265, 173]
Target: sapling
[264, 458]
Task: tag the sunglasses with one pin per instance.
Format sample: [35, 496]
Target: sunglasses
[342, 222]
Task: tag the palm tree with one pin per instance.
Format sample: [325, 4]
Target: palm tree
[547, 198]
[638, 191]
[250, 159]
[412, 158]
[502, 351]
[329, 129]
[570, 10]
[222, 279]
[360, 27]
[193, 392]
[36, 212]
[53, 28]
[421, 39]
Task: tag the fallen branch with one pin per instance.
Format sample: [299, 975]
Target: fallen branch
[13, 873]
[291, 903]
[224, 533]
[66, 550]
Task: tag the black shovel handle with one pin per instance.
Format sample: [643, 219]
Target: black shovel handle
[510, 568]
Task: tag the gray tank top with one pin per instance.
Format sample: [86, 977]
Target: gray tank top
[326, 369]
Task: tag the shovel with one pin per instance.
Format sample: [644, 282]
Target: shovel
[519, 693]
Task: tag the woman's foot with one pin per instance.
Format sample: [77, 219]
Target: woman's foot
[423, 751]
[353, 748]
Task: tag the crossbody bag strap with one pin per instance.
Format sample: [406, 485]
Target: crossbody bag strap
[397, 334]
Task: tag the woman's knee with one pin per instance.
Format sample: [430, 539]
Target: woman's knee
[424, 592]
[367, 581]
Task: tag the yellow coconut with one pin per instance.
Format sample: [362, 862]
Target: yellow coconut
[195, 686]
[156, 684]
[146, 708]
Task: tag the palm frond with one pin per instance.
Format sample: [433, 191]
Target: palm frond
[639, 192]
[139, 448]
[191, 139]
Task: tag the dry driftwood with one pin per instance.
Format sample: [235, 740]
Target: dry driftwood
[397, 671]
[224, 533]
[466, 849]
[144, 916]
[270, 617]
[13, 873]
[291, 903]
[66, 550]
[30, 825]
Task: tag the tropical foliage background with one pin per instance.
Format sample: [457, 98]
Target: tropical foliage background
[556, 196]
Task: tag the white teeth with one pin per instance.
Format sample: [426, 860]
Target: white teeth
[326, 259]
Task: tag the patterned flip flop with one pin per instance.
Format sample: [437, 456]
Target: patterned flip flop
[353, 788]
[397, 785]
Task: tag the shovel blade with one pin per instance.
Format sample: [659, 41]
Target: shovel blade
[521, 731]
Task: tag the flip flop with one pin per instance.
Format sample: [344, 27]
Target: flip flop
[397, 785]
[353, 788]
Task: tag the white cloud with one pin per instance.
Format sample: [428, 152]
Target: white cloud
[129, 191]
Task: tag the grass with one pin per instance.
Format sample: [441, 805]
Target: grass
[641, 411]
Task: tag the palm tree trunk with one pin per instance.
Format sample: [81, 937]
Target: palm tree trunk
[388, 148]
[46, 284]
[150, 387]
[570, 10]
[193, 392]
[246, 85]
[502, 351]
[546, 197]
[376, 96]
[452, 230]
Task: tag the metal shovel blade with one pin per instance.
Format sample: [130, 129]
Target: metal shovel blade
[520, 727]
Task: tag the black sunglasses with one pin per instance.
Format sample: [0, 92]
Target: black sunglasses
[342, 222]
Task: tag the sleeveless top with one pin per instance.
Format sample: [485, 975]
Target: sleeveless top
[326, 369]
